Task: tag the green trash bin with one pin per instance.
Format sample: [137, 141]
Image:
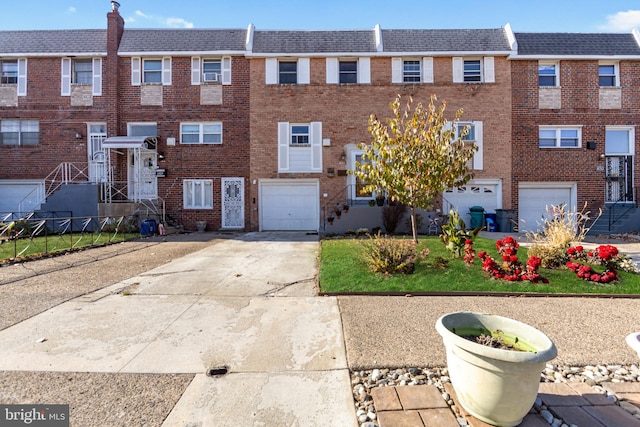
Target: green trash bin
[477, 216]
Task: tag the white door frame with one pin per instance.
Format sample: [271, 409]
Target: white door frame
[97, 159]
[232, 203]
[143, 182]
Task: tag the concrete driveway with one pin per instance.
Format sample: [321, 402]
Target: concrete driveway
[242, 309]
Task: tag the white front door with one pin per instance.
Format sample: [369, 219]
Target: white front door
[97, 156]
[143, 182]
[232, 202]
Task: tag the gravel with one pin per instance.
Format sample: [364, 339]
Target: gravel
[363, 381]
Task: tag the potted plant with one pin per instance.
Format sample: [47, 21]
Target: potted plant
[372, 203]
[345, 208]
[496, 385]
[380, 200]
[330, 219]
[338, 212]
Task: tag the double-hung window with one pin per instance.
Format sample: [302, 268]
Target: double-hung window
[548, 74]
[152, 71]
[19, 132]
[608, 75]
[411, 71]
[201, 133]
[472, 70]
[473, 138]
[211, 70]
[299, 135]
[287, 72]
[82, 71]
[560, 137]
[8, 72]
[197, 193]
[348, 71]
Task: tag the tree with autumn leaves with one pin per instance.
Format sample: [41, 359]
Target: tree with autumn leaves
[415, 155]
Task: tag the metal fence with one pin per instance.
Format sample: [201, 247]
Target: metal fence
[28, 237]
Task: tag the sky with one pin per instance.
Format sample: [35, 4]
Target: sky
[523, 15]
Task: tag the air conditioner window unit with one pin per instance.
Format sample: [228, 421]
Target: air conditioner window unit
[211, 77]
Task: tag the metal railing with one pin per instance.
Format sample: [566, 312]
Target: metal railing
[31, 236]
[623, 206]
[64, 173]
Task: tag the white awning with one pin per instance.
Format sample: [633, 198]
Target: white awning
[145, 142]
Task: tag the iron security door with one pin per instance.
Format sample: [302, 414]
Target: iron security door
[232, 202]
[619, 182]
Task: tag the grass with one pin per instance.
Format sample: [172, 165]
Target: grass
[343, 270]
[38, 246]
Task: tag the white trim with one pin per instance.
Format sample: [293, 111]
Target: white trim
[632, 138]
[51, 54]
[397, 70]
[136, 71]
[203, 182]
[427, 69]
[183, 53]
[488, 69]
[271, 71]
[223, 181]
[457, 66]
[22, 77]
[557, 128]
[364, 71]
[616, 71]
[315, 138]
[225, 68]
[65, 77]
[195, 70]
[96, 69]
[574, 57]
[304, 71]
[438, 53]
[283, 146]
[557, 74]
[166, 71]
[248, 41]
[378, 36]
[511, 38]
[332, 71]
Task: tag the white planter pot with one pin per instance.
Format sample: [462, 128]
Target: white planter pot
[634, 342]
[496, 386]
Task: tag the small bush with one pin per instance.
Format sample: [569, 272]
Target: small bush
[391, 217]
[557, 234]
[392, 256]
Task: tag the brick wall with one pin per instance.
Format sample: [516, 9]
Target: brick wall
[344, 111]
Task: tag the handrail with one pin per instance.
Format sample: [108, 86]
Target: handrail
[64, 173]
[338, 196]
[622, 200]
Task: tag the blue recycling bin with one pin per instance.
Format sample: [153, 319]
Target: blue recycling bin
[492, 222]
[148, 227]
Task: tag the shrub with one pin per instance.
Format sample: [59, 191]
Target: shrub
[557, 234]
[390, 256]
[511, 269]
[455, 234]
[391, 216]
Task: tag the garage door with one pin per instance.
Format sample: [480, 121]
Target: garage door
[20, 196]
[533, 203]
[291, 205]
[475, 194]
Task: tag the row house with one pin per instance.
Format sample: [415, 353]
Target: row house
[575, 110]
[248, 129]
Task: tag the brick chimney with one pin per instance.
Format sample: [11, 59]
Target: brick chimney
[111, 78]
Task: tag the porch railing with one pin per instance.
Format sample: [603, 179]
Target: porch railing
[64, 173]
[621, 206]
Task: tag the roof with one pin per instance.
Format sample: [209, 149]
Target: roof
[577, 44]
[53, 42]
[314, 41]
[483, 40]
[182, 40]
[144, 142]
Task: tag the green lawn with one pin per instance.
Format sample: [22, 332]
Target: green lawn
[343, 270]
[38, 246]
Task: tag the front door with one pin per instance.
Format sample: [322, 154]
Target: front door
[232, 202]
[619, 150]
[97, 156]
[143, 183]
[619, 185]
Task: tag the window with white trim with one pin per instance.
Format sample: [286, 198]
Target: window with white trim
[142, 129]
[152, 71]
[560, 137]
[411, 71]
[212, 70]
[9, 72]
[19, 132]
[299, 135]
[619, 140]
[472, 70]
[348, 71]
[548, 74]
[82, 71]
[201, 133]
[608, 75]
[197, 193]
[287, 72]
[300, 147]
[474, 138]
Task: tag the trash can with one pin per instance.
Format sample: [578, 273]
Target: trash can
[490, 219]
[148, 227]
[506, 219]
[477, 216]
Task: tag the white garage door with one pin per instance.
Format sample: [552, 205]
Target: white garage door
[533, 203]
[474, 194]
[291, 205]
[20, 196]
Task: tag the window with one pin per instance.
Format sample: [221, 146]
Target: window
[201, 133]
[211, 70]
[287, 72]
[300, 135]
[472, 71]
[607, 75]
[82, 71]
[348, 71]
[411, 71]
[152, 71]
[9, 73]
[19, 132]
[198, 193]
[547, 74]
[564, 137]
[470, 136]
[619, 141]
[142, 129]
